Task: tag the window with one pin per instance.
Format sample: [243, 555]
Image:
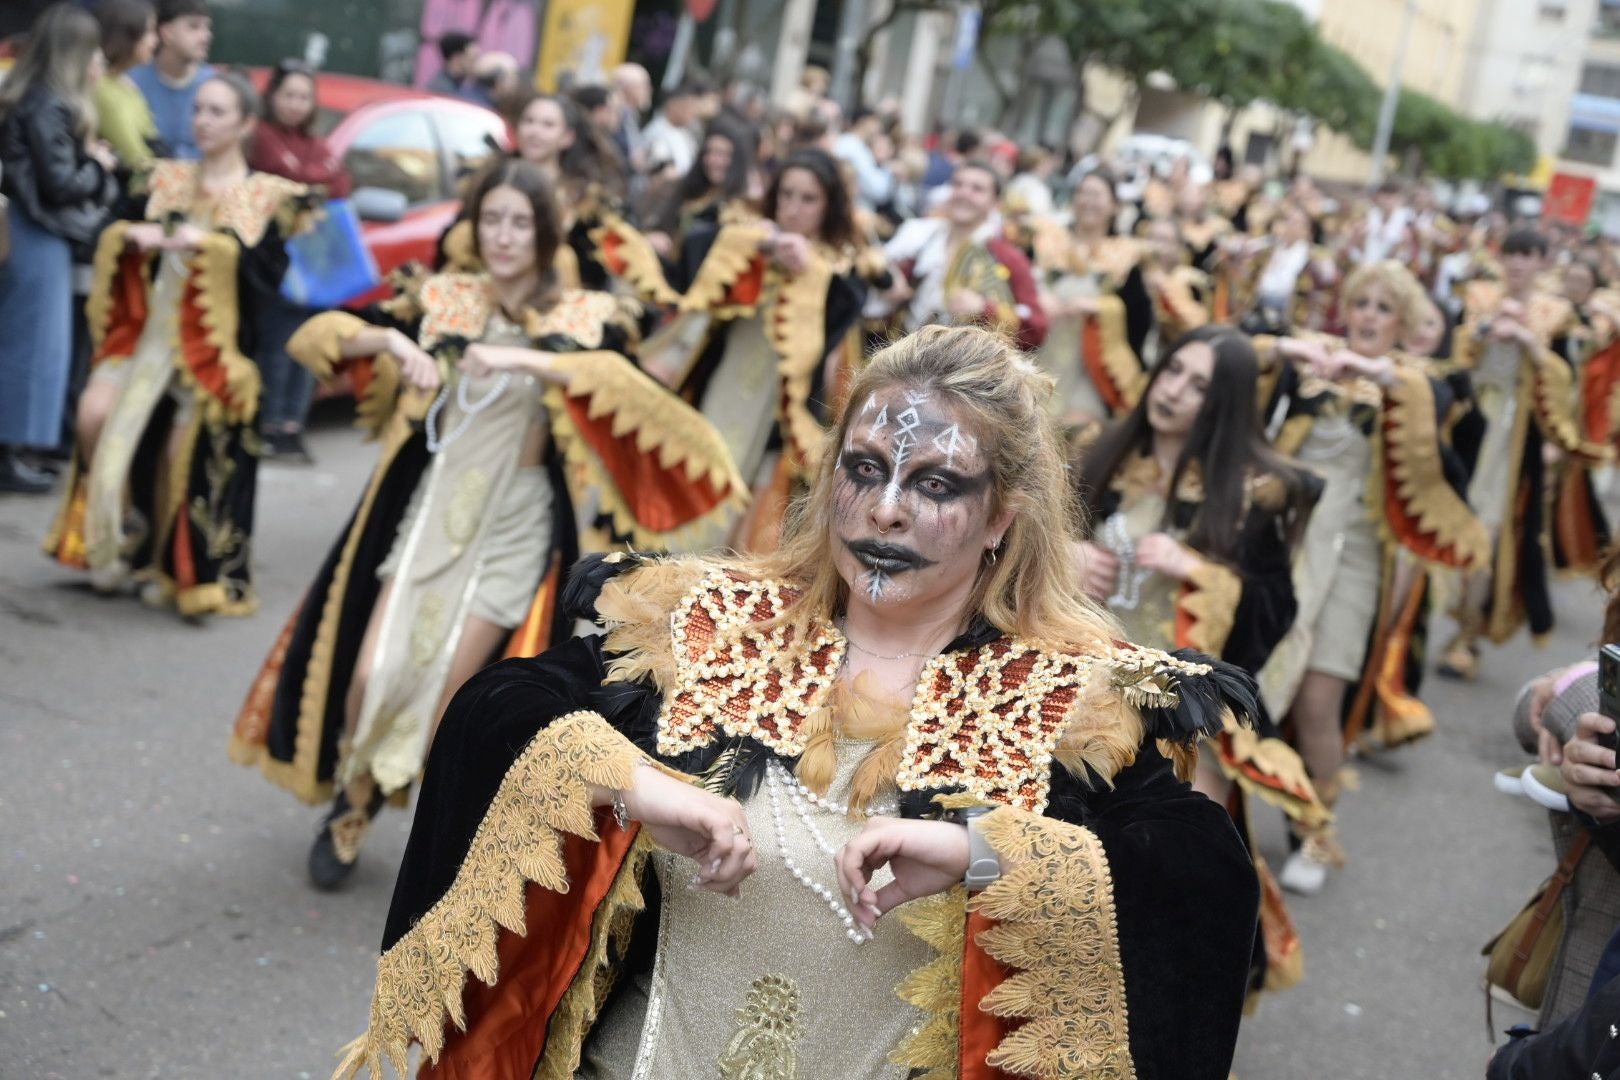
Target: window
[1590, 147]
[398, 152]
[466, 134]
[1601, 80]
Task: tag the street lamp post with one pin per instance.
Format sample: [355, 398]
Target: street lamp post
[1392, 98]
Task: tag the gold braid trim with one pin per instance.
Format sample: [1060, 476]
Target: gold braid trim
[544, 794]
[1121, 363]
[214, 271]
[1406, 452]
[678, 434]
[936, 987]
[796, 326]
[1056, 924]
[318, 346]
[103, 275]
[1210, 598]
[642, 270]
[732, 252]
[635, 607]
[1274, 758]
[1555, 403]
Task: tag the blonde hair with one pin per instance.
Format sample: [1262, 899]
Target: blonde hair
[1032, 590]
[61, 44]
[1398, 281]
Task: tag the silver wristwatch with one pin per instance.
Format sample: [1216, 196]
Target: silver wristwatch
[984, 865]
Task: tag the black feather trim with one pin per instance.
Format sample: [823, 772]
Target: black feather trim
[1204, 700]
[586, 578]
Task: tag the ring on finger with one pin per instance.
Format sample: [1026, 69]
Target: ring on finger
[738, 830]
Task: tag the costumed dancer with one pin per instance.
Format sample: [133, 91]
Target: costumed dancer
[553, 135]
[1202, 227]
[1093, 293]
[764, 313]
[1368, 420]
[1523, 485]
[162, 485]
[719, 188]
[1283, 282]
[957, 268]
[898, 786]
[454, 555]
[1182, 293]
[1192, 521]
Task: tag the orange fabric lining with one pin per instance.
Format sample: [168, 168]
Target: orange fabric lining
[70, 546]
[253, 722]
[507, 1025]
[1575, 521]
[1598, 377]
[128, 316]
[611, 259]
[360, 371]
[745, 291]
[661, 499]
[185, 566]
[1091, 353]
[1389, 677]
[761, 529]
[534, 636]
[981, 1032]
[1404, 525]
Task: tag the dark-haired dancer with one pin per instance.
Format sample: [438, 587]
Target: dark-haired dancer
[1193, 522]
[161, 490]
[1514, 342]
[510, 418]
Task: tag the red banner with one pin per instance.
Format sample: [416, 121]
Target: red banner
[1569, 199]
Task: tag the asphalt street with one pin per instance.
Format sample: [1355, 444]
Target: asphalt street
[155, 920]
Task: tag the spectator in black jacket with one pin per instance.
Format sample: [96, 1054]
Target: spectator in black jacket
[60, 184]
[1585, 1045]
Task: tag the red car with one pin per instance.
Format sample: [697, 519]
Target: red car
[406, 151]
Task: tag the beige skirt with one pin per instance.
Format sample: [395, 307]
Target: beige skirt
[513, 554]
[1339, 646]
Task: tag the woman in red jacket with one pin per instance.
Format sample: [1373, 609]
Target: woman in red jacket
[285, 144]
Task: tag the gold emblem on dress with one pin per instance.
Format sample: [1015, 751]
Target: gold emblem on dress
[466, 508]
[427, 630]
[762, 1048]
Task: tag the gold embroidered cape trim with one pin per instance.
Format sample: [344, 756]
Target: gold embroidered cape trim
[1274, 758]
[1557, 413]
[734, 249]
[1178, 300]
[796, 328]
[103, 272]
[246, 208]
[642, 270]
[1056, 925]
[1406, 455]
[1209, 598]
[420, 979]
[318, 346]
[934, 1046]
[990, 720]
[1119, 360]
[214, 273]
[664, 426]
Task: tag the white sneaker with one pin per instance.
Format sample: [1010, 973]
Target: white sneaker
[1511, 781]
[1302, 874]
[1545, 785]
[111, 579]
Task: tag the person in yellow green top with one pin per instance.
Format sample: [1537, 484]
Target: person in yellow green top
[128, 38]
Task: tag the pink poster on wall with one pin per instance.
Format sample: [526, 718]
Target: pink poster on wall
[508, 26]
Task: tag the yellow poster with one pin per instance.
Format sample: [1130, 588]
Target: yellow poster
[583, 40]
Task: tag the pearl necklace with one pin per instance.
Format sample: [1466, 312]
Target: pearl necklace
[778, 780]
[469, 410]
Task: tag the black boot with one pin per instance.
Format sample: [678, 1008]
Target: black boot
[336, 850]
[20, 478]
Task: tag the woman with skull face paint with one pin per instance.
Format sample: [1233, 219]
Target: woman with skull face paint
[515, 432]
[1191, 522]
[764, 310]
[910, 701]
[1368, 420]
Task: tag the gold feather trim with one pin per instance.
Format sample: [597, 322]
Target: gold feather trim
[665, 426]
[936, 987]
[1406, 455]
[1210, 599]
[729, 257]
[1119, 360]
[318, 343]
[544, 794]
[1056, 924]
[1103, 736]
[643, 271]
[103, 276]
[796, 326]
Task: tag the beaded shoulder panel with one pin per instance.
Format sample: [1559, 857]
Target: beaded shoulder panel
[986, 719]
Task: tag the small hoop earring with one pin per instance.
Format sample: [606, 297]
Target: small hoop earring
[995, 553]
